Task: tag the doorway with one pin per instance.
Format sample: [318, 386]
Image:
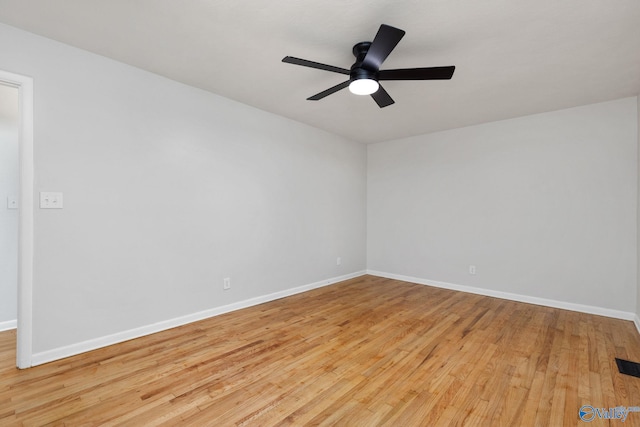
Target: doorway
[9, 127]
[24, 202]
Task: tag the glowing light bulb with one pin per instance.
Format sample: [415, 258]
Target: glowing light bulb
[363, 86]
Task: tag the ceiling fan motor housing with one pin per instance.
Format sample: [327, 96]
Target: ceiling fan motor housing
[357, 71]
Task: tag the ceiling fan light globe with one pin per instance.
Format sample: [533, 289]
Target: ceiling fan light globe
[363, 86]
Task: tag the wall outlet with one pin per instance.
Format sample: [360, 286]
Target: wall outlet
[472, 269]
[338, 261]
[227, 283]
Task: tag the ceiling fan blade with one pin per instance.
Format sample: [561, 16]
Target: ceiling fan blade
[319, 96]
[382, 98]
[311, 64]
[428, 73]
[385, 41]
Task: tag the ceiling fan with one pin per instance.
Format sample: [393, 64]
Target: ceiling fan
[365, 73]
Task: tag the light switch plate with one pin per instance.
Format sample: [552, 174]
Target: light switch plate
[49, 200]
[12, 202]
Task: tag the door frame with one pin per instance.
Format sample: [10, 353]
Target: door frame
[24, 342]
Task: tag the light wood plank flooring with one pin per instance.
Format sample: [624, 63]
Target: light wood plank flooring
[364, 352]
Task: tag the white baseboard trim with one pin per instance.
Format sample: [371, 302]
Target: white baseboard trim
[93, 344]
[600, 311]
[8, 324]
[636, 321]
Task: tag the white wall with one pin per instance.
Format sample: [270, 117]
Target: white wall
[167, 190]
[637, 319]
[544, 206]
[8, 217]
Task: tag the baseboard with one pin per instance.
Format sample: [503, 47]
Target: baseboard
[8, 324]
[636, 321]
[600, 311]
[93, 344]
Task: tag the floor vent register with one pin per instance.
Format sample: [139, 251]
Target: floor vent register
[628, 368]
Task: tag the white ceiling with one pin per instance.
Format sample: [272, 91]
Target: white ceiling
[512, 58]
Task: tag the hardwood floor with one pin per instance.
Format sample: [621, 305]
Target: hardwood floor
[368, 351]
